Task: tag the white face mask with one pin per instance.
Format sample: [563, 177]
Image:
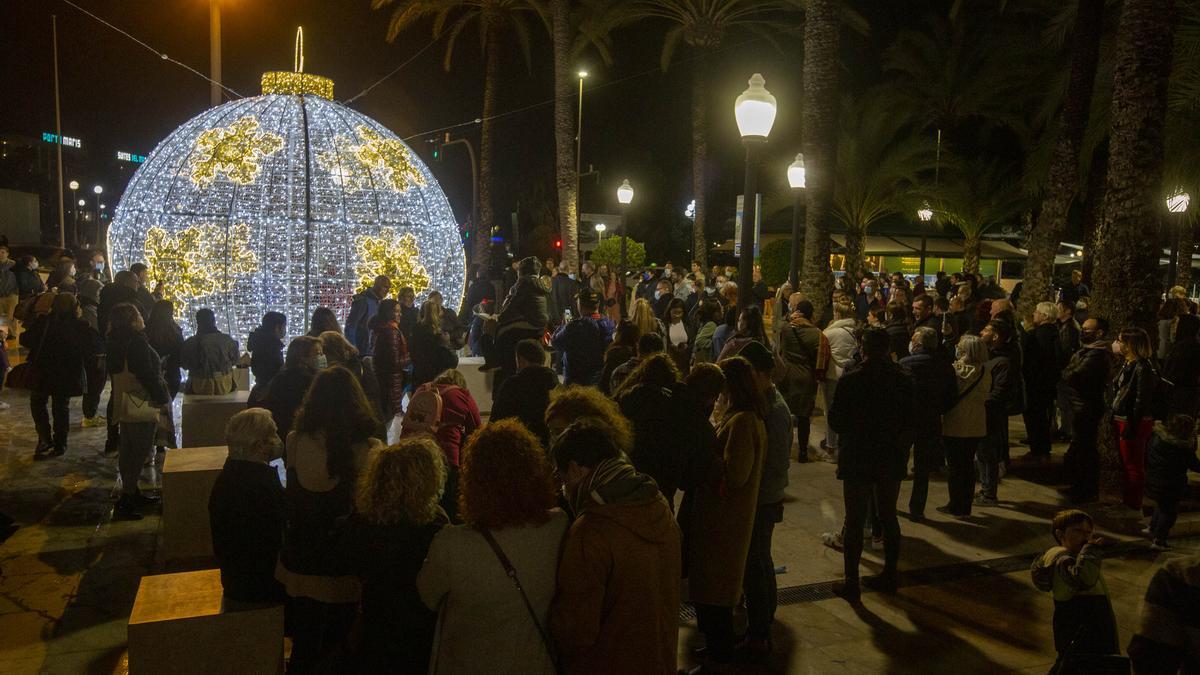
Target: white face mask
[322, 362]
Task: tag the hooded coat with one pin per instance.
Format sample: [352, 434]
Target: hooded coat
[1168, 459]
[617, 605]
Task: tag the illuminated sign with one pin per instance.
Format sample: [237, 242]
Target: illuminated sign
[66, 140]
[130, 157]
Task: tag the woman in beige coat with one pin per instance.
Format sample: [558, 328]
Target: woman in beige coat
[723, 515]
[965, 424]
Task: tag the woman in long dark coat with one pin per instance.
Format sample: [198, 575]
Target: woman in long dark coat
[59, 344]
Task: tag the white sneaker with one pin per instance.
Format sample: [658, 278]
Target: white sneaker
[4, 405]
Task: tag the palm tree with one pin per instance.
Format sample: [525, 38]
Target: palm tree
[879, 171]
[499, 23]
[977, 198]
[1063, 182]
[702, 25]
[574, 28]
[822, 35]
[1127, 286]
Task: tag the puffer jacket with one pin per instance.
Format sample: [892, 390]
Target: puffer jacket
[1168, 459]
[525, 307]
[390, 361]
[966, 417]
[1087, 374]
[842, 344]
[1132, 394]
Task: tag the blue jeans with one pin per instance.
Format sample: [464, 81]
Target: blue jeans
[759, 580]
[927, 455]
[1165, 513]
[987, 461]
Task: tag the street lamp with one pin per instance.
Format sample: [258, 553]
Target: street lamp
[625, 197]
[600, 228]
[98, 190]
[1177, 203]
[754, 111]
[797, 180]
[582, 74]
[74, 185]
[924, 214]
[214, 51]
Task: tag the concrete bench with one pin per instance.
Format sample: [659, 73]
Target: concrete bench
[478, 382]
[204, 417]
[179, 626]
[188, 477]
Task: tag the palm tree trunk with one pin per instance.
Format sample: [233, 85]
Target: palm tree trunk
[1064, 167]
[564, 133]
[1093, 209]
[487, 218]
[821, 37]
[972, 246]
[1187, 243]
[856, 246]
[700, 159]
[1127, 284]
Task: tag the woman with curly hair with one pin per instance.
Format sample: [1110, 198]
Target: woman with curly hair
[568, 404]
[384, 544]
[326, 451]
[506, 500]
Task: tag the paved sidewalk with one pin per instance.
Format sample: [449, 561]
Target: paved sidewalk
[68, 576]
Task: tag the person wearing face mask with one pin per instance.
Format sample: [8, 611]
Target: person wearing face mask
[617, 602]
[663, 295]
[1084, 379]
[246, 511]
[285, 392]
[209, 356]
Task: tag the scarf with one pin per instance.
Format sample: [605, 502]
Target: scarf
[604, 473]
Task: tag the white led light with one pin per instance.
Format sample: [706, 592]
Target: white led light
[231, 220]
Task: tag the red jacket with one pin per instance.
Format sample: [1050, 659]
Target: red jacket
[390, 359]
[458, 406]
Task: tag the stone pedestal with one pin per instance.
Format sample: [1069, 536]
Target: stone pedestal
[478, 382]
[178, 626]
[188, 476]
[204, 417]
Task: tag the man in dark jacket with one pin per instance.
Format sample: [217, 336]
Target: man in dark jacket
[936, 388]
[616, 609]
[265, 345]
[122, 290]
[526, 395]
[363, 308]
[481, 288]
[563, 289]
[1040, 366]
[247, 512]
[1068, 344]
[1005, 398]
[582, 341]
[872, 458]
[1085, 378]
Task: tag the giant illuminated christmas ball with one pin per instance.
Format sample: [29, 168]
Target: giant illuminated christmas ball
[287, 202]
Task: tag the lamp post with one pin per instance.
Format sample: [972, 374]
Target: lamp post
[1177, 203]
[578, 165]
[754, 111]
[924, 214]
[625, 196]
[74, 185]
[797, 180]
[98, 190]
[214, 51]
[600, 228]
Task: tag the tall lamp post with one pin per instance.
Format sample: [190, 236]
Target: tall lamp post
[74, 185]
[1177, 203]
[755, 114]
[797, 181]
[578, 166]
[625, 197]
[924, 214]
[600, 228]
[98, 190]
[214, 51]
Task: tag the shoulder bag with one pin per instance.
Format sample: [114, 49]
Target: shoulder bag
[131, 404]
[783, 370]
[512, 574]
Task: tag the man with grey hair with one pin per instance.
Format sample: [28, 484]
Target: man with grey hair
[1042, 363]
[246, 511]
[936, 387]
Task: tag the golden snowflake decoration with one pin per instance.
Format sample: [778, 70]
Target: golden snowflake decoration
[397, 258]
[200, 260]
[235, 151]
[353, 162]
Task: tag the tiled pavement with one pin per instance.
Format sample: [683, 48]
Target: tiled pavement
[69, 574]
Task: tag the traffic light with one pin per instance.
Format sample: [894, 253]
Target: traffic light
[558, 243]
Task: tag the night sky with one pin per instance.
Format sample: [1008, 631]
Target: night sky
[116, 95]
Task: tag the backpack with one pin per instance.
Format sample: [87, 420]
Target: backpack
[427, 413]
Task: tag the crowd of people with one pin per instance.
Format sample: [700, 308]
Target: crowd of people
[555, 537]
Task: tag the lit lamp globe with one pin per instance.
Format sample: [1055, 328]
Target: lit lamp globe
[625, 193]
[755, 110]
[1178, 202]
[74, 185]
[925, 213]
[82, 202]
[98, 189]
[286, 201]
[795, 172]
